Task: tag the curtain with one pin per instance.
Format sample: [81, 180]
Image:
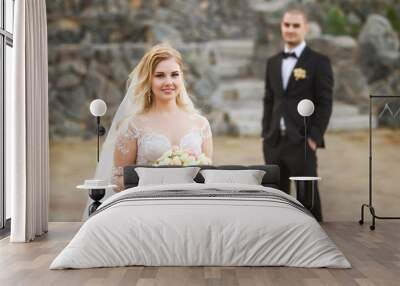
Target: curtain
[27, 143]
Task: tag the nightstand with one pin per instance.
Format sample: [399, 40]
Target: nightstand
[305, 190]
[97, 190]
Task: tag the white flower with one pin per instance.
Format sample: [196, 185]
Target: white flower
[184, 156]
[190, 161]
[176, 161]
[204, 161]
[165, 161]
[166, 155]
[201, 156]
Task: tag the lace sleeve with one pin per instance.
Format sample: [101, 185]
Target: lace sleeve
[206, 130]
[117, 178]
[124, 153]
[125, 139]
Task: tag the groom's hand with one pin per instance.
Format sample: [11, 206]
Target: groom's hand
[312, 144]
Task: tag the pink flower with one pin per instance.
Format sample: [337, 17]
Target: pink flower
[192, 152]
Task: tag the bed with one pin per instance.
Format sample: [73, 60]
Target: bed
[201, 224]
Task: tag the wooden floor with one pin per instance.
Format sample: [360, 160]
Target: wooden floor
[374, 255]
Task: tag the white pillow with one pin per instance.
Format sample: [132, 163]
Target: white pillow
[248, 177]
[163, 176]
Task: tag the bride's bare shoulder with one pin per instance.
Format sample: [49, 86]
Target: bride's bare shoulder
[198, 119]
[138, 119]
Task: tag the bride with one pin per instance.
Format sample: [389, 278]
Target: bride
[155, 116]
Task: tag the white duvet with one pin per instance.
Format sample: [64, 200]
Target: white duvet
[181, 231]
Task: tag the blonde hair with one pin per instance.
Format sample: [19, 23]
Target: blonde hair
[139, 80]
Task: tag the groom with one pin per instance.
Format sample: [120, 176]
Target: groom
[294, 74]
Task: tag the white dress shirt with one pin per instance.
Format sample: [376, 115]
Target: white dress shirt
[288, 65]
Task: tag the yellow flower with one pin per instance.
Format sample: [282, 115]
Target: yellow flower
[299, 73]
[166, 155]
[184, 157]
[166, 161]
[189, 161]
[176, 161]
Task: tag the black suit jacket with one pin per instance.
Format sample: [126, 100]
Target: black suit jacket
[317, 86]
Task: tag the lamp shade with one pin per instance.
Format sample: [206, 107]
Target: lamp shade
[305, 107]
[98, 107]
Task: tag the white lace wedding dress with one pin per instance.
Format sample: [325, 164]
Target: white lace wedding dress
[152, 141]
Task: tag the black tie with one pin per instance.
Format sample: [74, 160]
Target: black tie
[288, 55]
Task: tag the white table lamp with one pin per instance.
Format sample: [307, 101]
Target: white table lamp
[98, 108]
[305, 108]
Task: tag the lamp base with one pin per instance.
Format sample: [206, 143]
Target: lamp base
[96, 195]
[101, 130]
[305, 193]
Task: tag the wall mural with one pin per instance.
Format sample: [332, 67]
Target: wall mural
[94, 45]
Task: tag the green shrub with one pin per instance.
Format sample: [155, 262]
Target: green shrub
[393, 18]
[336, 22]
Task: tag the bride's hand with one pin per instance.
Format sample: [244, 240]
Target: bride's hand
[312, 144]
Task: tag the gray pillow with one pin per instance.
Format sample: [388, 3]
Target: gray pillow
[248, 177]
[163, 176]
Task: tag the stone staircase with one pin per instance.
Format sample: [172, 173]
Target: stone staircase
[346, 117]
[241, 100]
[237, 95]
[233, 57]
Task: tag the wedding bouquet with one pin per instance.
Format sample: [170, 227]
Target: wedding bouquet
[181, 157]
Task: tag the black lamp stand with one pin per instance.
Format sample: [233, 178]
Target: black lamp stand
[305, 139]
[97, 194]
[100, 130]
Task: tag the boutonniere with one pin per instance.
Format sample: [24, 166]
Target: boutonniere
[299, 73]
